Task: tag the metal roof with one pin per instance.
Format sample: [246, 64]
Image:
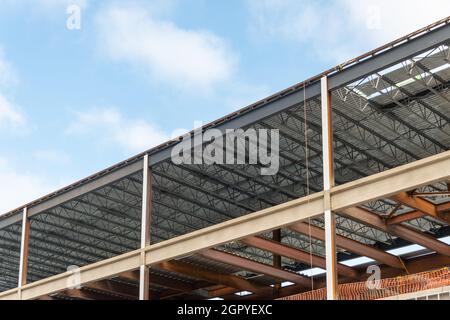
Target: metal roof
[391, 106]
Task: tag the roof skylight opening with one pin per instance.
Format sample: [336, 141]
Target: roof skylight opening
[441, 68]
[406, 250]
[374, 95]
[395, 67]
[216, 298]
[287, 284]
[405, 82]
[357, 261]
[363, 81]
[243, 293]
[426, 54]
[312, 272]
[396, 252]
[360, 93]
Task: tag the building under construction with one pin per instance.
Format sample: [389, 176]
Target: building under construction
[363, 180]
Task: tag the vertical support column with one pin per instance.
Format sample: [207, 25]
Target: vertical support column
[276, 236]
[24, 242]
[328, 183]
[144, 272]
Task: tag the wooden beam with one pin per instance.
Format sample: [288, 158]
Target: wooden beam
[419, 204]
[350, 245]
[216, 277]
[297, 255]
[250, 265]
[371, 219]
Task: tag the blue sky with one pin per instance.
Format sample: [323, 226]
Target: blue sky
[137, 72]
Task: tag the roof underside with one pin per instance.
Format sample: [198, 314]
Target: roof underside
[390, 118]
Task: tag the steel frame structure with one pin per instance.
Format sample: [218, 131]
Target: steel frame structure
[375, 179]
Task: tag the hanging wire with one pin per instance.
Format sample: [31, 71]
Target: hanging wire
[305, 116]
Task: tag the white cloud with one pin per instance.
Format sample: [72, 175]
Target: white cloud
[243, 94]
[169, 54]
[9, 113]
[339, 30]
[42, 6]
[110, 126]
[51, 156]
[53, 4]
[7, 74]
[386, 20]
[18, 188]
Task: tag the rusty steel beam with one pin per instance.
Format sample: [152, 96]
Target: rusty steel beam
[328, 183]
[24, 248]
[87, 295]
[146, 223]
[254, 266]
[128, 292]
[420, 204]
[432, 194]
[405, 217]
[414, 265]
[298, 255]
[216, 277]
[276, 260]
[166, 282]
[174, 287]
[373, 220]
[443, 208]
[350, 245]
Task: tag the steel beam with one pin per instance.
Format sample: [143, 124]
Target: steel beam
[328, 183]
[390, 182]
[349, 245]
[254, 266]
[444, 207]
[297, 255]
[382, 185]
[422, 205]
[359, 68]
[114, 288]
[144, 279]
[93, 183]
[24, 246]
[405, 217]
[216, 277]
[276, 260]
[371, 219]
[169, 283]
